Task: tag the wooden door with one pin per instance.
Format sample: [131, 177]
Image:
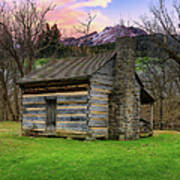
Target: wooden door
[51, 114]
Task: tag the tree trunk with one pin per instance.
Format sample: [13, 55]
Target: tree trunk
[29, 65]
[161, 114]
[16, 100]
[5, 96]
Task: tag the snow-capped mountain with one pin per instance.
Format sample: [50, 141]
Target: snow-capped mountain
[108, 35]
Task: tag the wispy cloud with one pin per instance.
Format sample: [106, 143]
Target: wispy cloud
[56, 2]
[92, 3]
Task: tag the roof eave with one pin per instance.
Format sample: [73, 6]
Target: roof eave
[77, 78]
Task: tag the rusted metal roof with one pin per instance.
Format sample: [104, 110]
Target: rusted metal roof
[69, 68]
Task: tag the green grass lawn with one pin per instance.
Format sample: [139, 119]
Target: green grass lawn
[30, 158]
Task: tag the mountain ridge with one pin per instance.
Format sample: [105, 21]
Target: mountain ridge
[108, 35]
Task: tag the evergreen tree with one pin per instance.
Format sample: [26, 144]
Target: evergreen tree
[49, 41]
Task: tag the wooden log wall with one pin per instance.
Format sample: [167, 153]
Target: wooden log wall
[77, 112]
[34, 113]
[71, 112]
[100, 88]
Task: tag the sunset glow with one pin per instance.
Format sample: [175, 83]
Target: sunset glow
[68, 13]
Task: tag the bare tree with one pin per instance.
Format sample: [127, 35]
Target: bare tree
[9, 90]
[20, 26]
[166, 23]
[84, 28]
[161, 77]
[21, 23]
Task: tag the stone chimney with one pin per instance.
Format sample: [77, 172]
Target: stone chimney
[124, 110]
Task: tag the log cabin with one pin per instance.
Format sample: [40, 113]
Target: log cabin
[97, 96]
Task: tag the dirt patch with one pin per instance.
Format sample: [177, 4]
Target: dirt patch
[4, 130]
[165, 132]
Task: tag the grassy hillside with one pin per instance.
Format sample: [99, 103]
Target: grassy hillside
[157, 157]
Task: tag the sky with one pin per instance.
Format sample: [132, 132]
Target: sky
[68, 13]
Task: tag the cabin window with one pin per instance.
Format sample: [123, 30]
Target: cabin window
[51, 113]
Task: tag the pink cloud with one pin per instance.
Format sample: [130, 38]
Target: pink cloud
[65, 16]
[56, 2]
[68, 13]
